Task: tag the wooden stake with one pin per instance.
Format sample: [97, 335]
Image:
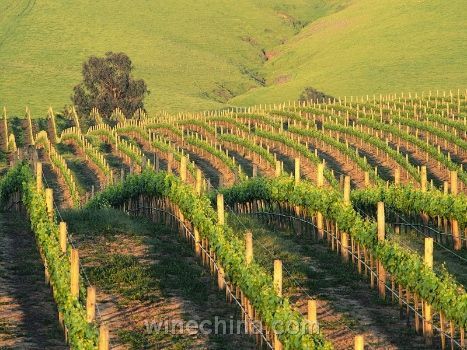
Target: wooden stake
[278, 277]
[312, 317]
[91, 304]
[197, 242]
[456, 235]
[428, 258]
[320, 175]
[347, 190]
[397, 176]
[359, 342]
[278, 168]
[74, 273]
[220, 278]
[367, 179]
[248, 247]
[39, 184]
[183, 168]
[198, 181]
[453, 182]
[381, 236]
[62, 236]
[381, 221]
[320, 225]
[345, 246]
[297, 171]
[428, 326]
[103, 337]
[220, 209]
[423, 178]
[49, 201]
[277, 343]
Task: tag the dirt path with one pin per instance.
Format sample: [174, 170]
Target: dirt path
[85, 172]
[28, 315]
[346, 304]
[145, 273]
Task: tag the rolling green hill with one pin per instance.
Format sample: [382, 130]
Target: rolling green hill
[372, 47]
[205, 54]
[192, 54]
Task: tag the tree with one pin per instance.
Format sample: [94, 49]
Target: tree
[108, 84]
[311, 94]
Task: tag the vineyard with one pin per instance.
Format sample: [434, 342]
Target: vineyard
[339, 224]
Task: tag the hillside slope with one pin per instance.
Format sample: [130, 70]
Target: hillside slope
[193, 54]
[372, 46]
[208, 54]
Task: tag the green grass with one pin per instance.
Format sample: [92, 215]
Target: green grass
[372, 47]
[209, 54]
[193, 55]
[166, 270]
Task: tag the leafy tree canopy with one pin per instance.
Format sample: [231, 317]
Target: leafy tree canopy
[108, 84]
[311, 94]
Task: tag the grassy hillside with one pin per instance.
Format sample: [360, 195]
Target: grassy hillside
[193, 54]
[203, 54]
[372, 47]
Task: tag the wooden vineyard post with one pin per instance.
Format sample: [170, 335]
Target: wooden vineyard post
[320, 175]
[255, 170]
[381, 233]
[297, 171]
[49, 201]
[103, 337]
[423, 178]
[427, 324]
[320, 225]
[220, 279]
[39, 176]
[62, 236]
[278, 289]
[397, 180]
[197, 242]
[198, 181]
[277, 343]
[312, 317]
[423, 188]
[397, 176]
[453, 176]
[220, 209]
[347, 190]
[367, 179]
[319, 215]
[90, 304]
[278, 168]
[74, 273]
[359, 343]
[278, 277]
[183, 168]
[454, 223]
[345, 246]
[248, 247]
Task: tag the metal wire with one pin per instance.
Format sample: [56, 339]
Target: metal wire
[420, 232]
[364, 264]
[211, 259]
[70, 242]
[290, 275]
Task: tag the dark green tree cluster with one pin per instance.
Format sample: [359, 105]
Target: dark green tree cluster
[108, 84]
